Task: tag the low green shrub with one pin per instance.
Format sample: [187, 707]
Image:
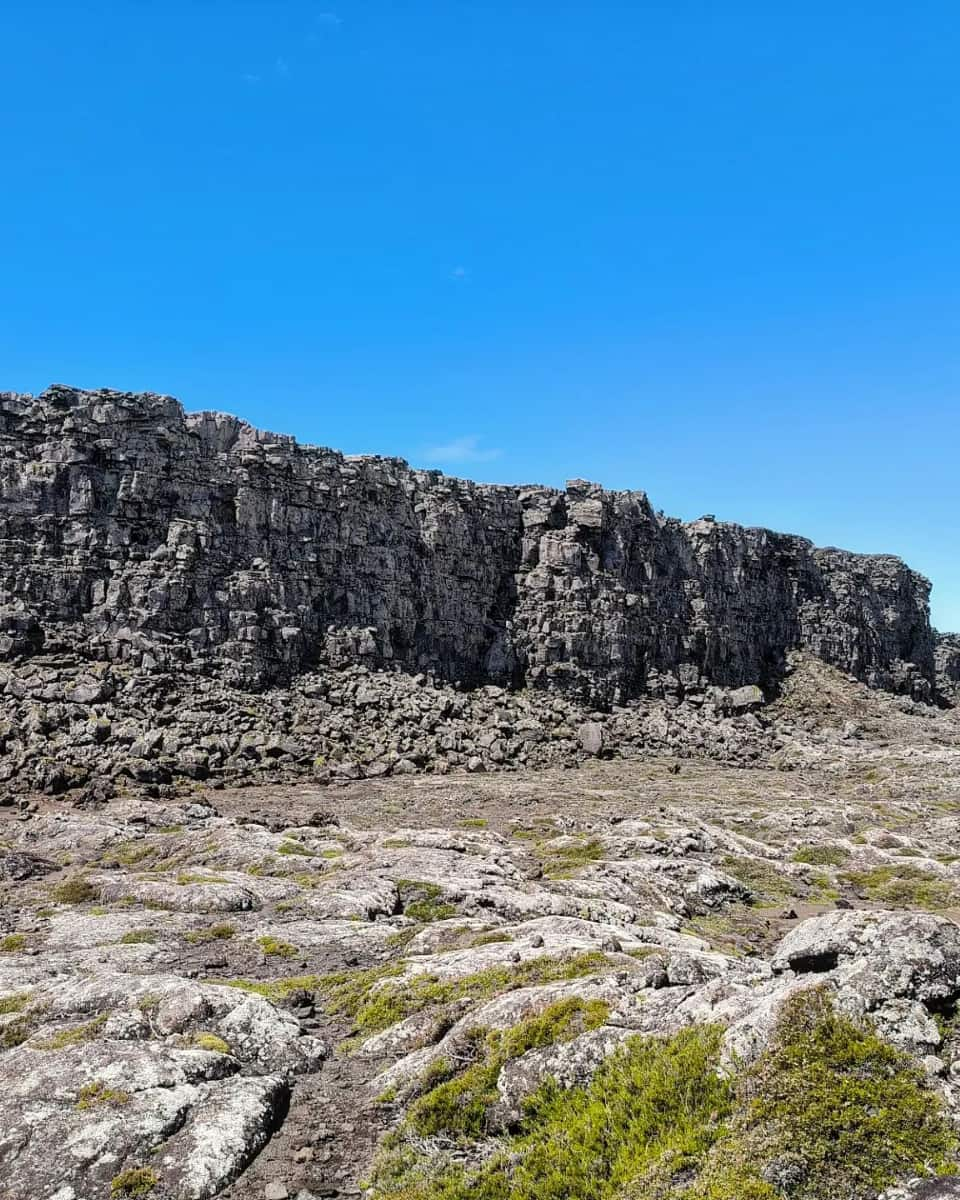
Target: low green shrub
[828, 1110]
[75, 890]
[821, 856]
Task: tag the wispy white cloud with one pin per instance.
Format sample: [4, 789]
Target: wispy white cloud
[461, 450]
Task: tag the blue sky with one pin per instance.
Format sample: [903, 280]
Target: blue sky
[707, 250]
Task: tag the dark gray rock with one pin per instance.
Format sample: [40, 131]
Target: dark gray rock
[947, 662]
[159, 539]
[21, 864]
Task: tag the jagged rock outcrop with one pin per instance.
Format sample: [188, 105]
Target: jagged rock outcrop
[946, 658]
[147, 536]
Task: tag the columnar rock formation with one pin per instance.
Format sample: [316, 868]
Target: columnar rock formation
[146, 535]
[947, 660]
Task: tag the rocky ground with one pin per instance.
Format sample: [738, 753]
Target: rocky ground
[90, 730]
[338, 984]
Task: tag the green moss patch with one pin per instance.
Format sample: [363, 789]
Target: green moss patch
[489, 939]
[293, 847]
[138, 1181]
[212, 933]
[389, 1002]
[374, 998]
[97, 1093]
[421, 901]
[566, 860]
[15, 1033]
[138, 936]
[128, 854]
[828, 1110]
[821, 856]
[276, 947]
[647, 1101]
[14, 1004]
[739, 930]
[902, 885]
[460, 1104]
[75, 890]
[212, 1042]
[75, 1035]
[12, 943]
[767, 882]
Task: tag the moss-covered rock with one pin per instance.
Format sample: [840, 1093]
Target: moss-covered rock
[828, 1110]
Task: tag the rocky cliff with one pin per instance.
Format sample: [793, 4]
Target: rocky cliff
[145, 535]
[947, 661]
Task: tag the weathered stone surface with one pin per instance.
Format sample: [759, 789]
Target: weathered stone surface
[947, 665]
[20, 866]
[156, 538]
[678, 895]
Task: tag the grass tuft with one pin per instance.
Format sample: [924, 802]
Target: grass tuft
[75, 890]
[902, 885]
[138, 1181]
[828, 1110]
[374, 998]
[570, 857]
[212, 1042]
[276, 948]
[212, 933]
[14, 1004]
[421, 901]
[292, 847]
[92, 1095]
[821, 856]
[75, 1035]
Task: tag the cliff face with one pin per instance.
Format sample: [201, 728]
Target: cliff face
[147, 534]
[947, 662]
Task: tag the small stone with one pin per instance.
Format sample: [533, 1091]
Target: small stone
[275, 1191]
